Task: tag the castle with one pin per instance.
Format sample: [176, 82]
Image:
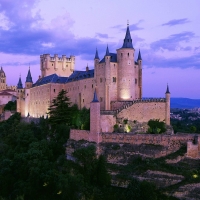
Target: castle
[115, 85]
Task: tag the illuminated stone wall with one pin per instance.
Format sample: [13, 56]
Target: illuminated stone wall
[62, 66]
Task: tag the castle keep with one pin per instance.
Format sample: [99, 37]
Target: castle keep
[112, 90]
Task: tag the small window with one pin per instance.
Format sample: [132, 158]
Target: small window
[85, 86]
[101, 99]
[100, 80]
[54, 90]
[114, 79]
[52, 64]
[83, 100]
[136, 81]
[92, 85]
[128, 54]
[121, 54]
[27, 94]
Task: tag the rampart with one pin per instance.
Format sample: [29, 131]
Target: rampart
[143, 110]
[155, 139]
[79, 134]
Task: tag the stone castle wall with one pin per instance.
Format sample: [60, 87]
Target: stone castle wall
[143, 111]
[79, 134]
[156, 139]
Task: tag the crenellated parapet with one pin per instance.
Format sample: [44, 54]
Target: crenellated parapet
[62, 66]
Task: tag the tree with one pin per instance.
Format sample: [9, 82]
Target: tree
[59, 110]
[11, 105]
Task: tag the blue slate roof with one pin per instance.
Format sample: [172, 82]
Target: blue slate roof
[113, 58]
[139, 56]
[95, 99]
[79, 75]
[167, 91]
[127, 40]
[75, 76]
[107, 51]
[53, 78]
[96, 55]
[29, 77]
[19, 84]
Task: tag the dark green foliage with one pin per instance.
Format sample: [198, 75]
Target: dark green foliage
[59, 111]
[11, 105]
[156, 126]
[141, 190]
[80, 118]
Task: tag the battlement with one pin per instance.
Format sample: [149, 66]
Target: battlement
[62, 66]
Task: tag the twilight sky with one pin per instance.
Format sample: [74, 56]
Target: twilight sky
[166, 32]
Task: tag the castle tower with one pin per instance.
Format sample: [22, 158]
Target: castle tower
[20, 97]
[62, 66]
[96, 63]
[28, 85]
[108, 79]
[2, 79]
[126, 71]
[167, 106]
[139, 61]
[95, 128]
[29, 81]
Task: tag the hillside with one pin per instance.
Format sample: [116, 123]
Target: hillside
[185, 103]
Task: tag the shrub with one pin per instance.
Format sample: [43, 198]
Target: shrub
[156, 127]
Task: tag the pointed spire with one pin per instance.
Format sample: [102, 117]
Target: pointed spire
[139, 56]
[167, 91]
[107, 51]
[95, 99]
[127, 39]
[96, 55]
[29, 77]
[19, 85]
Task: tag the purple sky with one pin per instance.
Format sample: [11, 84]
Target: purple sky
[166, 32]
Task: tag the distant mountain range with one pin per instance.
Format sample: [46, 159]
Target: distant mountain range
[184, 103]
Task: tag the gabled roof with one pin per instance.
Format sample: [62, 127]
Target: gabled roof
[113, 58]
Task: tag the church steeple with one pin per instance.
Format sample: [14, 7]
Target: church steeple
[96, 55]
[29, 77]
[139, 56]
[127, 39]
[19, 85]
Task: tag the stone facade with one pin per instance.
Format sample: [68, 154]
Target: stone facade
[116, 79]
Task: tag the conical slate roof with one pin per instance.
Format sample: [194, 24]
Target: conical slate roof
[127, 39]
[19, 85]
[29, 77]
[167, 91]
[107, 51]
[95, 99]
[96, 55]
[139, 56]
